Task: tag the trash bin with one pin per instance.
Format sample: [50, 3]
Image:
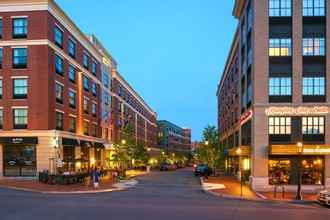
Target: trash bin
[148, 168]
[96, 179]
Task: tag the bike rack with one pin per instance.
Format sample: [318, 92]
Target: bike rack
[276, 189]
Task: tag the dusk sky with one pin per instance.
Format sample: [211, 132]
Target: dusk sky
[172, 52]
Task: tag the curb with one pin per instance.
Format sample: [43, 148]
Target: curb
[261, 199]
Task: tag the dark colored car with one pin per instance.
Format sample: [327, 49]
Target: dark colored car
[165, 167]
[202, 170]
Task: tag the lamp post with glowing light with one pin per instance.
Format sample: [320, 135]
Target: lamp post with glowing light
[239, 152]
[299, 151]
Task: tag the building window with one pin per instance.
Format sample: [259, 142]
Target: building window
[59, 121]
[119, 106]
[19, 58]
[279, 8]
[94, 109]
[279, 125]
[313, 86]
[243, 32]
[94, 130]
[106, 133]
[72, 99]
[72, 47]
[59, 65]
[313, 8]
[313, 46]
[86, 104]
[249, 17]
[58, 37]
[119, 121]
[279, 170]
[313, 125]
[0, 28]
[312, 170]
[0, 118]
[119, 90]
[86, 60]
[106, 98]
[73, 124]
[86, 84]
[86, 128]
[280, 86]
[0, 58]
[0, 88]
[93, 68]
[20, 118]
[280, 47]
[20, 88]
[59, 93]
[94, 89]
[19, 28]
[106, 80]
[72, 74]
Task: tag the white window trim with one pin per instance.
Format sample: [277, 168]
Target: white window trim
[73, 116]
[56, 110]
[59, 83]
[59, 27]
[19, 16]
[19, 107]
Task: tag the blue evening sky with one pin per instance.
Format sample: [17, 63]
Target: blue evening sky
[172, 52]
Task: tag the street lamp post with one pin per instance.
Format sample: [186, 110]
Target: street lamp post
[299, 151]
[207, 156]
[238, 152]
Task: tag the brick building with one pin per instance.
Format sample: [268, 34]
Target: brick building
[273, 95]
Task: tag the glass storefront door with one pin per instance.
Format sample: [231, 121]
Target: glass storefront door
[20, 160]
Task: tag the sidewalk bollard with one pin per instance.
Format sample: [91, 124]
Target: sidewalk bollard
[96, 179]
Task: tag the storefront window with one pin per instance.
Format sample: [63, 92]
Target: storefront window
[312, 169]
[97, 154]
[279, 171]
[20, 161]
[85, 155]
[68, 153]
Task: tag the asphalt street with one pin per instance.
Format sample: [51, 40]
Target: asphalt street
[159, 195]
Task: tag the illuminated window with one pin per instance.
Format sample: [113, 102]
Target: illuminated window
[313, 7]
[313, 86]
[86, 127]
[94, 130]
[280, 86]
[59, 93]
[86, 105]
[313, 46]
[94, 109]
[279, 125]
[279, 8]
[72, 99]
[72, 124]
[280, 47]
[313, 125]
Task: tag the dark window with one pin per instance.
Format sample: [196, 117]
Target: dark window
[0, 118]
[19, 58]
[72, 74]
[86, 61]
[106, 80]
[94, 68]
[59, 93]
[72, 47]
[59, 121]
[0, 58]
[94, 109]
[86, 84]
[94, 89]
[58, 37]
[19, 28]
[59, 65]
[72, 99]
[0, 88]
[86, 127]
[94, 130]
[0, 28]
[73, 124]
[20, 88]
[86, 105]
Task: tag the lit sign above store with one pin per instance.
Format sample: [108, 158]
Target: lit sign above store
[301, 110]
[316, 150]
[245, 117]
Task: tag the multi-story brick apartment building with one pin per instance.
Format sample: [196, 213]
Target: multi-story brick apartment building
[53, 81]
[273, 94]
[171, 137]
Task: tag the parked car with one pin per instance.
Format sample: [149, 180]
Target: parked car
[202, 170]
[165, 167]
[323, 196]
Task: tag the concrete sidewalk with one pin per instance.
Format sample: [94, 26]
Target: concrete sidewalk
[228, 186]
[105, 184]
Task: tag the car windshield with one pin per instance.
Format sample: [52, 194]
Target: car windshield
[201, 167]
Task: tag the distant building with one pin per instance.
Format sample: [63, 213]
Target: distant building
[195, 145]
[171, 137]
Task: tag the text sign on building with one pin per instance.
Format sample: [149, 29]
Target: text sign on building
[244, 118]
[59, 162]
[301, 110]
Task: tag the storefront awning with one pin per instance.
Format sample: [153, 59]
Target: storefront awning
[86, 144]
[98, 145]
[70, 142]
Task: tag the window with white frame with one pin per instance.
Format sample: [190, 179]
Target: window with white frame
[72, 48]
[94, 89]
[20, 118]
[86, 84]
[59, 93]
[19, 58]
[58, 37]
[94, 109]
[279, 8]
[313, 86]
[59, 65]
[93, 68]
[280, 86]
[313, 125]
[19, 28]
[280, 47]
[313, 46]
[313, 7]
[59, 121]
[279, 125]
[72, 124]
[72, 74]
[20, 88]
[106, 98]
[86, 105]
[94, 130]
[86, 127]
[106, 80]
[72, 99]
[86, 61]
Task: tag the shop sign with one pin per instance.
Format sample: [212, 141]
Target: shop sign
[19, 140]
[244, 118]
[301, 110]
[59, 162]
[317, 150]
